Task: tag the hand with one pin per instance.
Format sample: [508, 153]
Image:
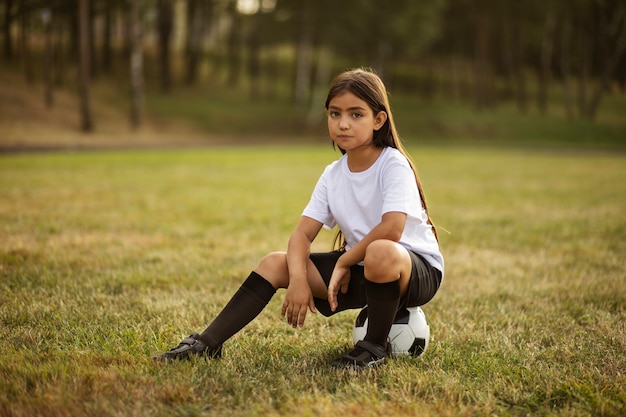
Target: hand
[297, 300]
[338, 281]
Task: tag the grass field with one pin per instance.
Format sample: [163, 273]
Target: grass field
[107, 258]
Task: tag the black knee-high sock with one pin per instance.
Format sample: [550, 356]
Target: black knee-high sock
[249, 300]
[382, 303]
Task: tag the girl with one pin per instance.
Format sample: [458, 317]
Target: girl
[387, 253]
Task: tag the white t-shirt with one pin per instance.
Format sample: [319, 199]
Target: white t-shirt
[356, 202]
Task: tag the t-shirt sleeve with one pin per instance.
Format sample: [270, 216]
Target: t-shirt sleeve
[318, 208]
[400, 191]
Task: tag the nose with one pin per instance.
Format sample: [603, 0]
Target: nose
[343, 124]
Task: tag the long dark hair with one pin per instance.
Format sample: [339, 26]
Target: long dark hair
[368, 86]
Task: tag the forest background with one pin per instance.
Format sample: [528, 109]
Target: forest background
[136, 72]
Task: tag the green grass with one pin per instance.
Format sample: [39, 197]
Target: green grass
[108, 258]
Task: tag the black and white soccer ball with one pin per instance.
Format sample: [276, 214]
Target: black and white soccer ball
[409, 334]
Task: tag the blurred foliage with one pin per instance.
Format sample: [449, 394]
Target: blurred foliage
[487, 54]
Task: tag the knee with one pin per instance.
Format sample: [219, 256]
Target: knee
[273, 267]
[381, 259]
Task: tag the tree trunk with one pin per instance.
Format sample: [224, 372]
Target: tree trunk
[481, 63]
[271, 75]
[166, 20]
[6, 29]
[254, 59]
[381, 52]
[93, 63]
[583, 78]
[612, 33]
[233, 46]
[512, 58]
[322, 76]
[455, 82]
[58, 61]
[106, 37]
[136, 63]
[27, 59]
[74, 38]
[547, 46]
[193, 38]
[48, 54]
[566, 50]
[199, 15]
[304, 55]
[383, 57]
[86, 122]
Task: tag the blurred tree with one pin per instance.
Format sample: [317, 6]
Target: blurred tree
[547, 47]
[25, 50]
[511, 25]
[404, 32]
[107, 33]
[46, 17]
[86, 121]
[610, 35]
[304, 52]
[199, 18]
[233, 44]
[136, 62]
[375, 34]
[565, 64]
[9, 14]
[91, 35]
[165, 27]
[481, 51]
[482, 21]
[253, 38]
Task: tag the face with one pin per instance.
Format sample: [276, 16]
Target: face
[351, 122]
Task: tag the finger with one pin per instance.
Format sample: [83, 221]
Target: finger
[302, 316]
[297, 316]
[332, 300]
[287, 312]
[292, 317]
[312, 306]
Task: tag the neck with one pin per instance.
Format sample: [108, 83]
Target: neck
[361, 159]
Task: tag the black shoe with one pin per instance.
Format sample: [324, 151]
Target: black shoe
[365, 355]
[189, 347]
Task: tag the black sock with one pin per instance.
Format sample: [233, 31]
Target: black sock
[382, 305]
[249, 300]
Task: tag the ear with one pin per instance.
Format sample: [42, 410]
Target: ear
[380, 120]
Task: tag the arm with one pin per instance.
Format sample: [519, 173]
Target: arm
[390, 228]
[299, 296]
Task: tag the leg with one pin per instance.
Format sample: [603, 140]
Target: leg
[273, 268]
[388, 261]
[251, 298]
[387, 273]
[387, 270]
[271, 273]
[243, 307]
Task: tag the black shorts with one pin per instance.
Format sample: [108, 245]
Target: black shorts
[423, 284]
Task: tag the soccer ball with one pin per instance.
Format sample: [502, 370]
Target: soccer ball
[409, 332]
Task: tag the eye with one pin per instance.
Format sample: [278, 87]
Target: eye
[357, 115]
